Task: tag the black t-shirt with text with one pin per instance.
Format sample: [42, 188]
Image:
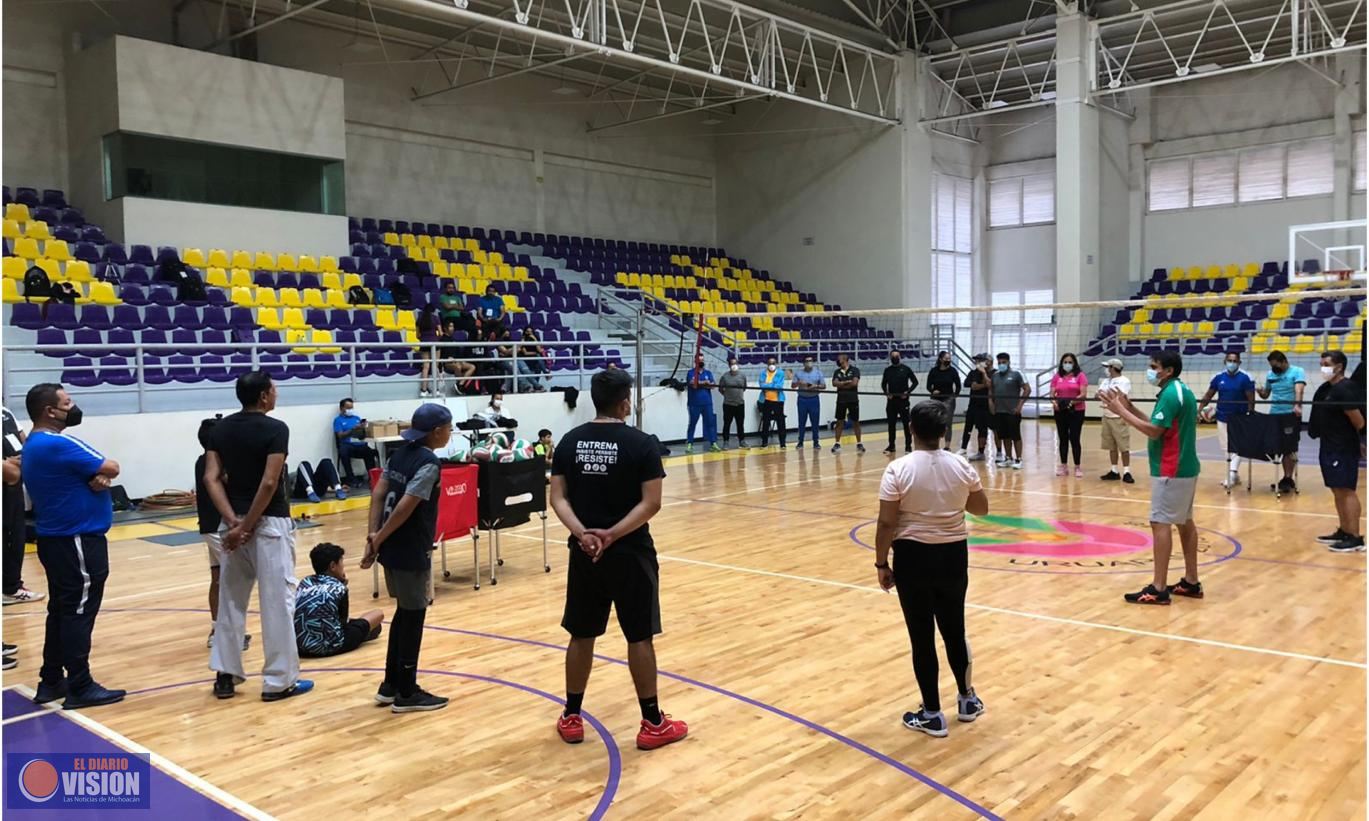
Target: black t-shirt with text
[1329, 422]
[604, 465]
[845, 395]
[413, 470]
[974, 379]
[243, 441]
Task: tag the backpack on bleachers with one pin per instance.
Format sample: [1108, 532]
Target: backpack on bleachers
[63, 292]
[356, 295]
[383, 296]
[403, 297]
[190, 288]
[37, 283]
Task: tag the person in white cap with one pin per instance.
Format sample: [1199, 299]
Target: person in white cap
[1116, 434]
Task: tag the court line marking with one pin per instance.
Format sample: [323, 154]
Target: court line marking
[25, 717]
[162, 763]
[1146, 501]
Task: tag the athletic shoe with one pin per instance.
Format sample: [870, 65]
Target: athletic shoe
[23, 596]
[1017, 464]
[1128, 479]
[1183, 588]
[1339, 536]
[1287, 485]
[1078, 472]
[1148, 595]
[836, 448]
[970, 707]
[978, 457]
[1061, 470]
[908, 447]
[933, 724]
[961, 452]
[689, 450]
[1233, 479]
[1352, 544]
[340, 492]
[421, 701]
[224, 686]
[891, 449]
[313, 497]
[50, 692]
[653, 736]
[1111, 476]
[783, 446]
[9, 663]
[860, 448]
[385, 696]
[816, 446]
[999, 461]
[713, 448]
[10, 650]
[571, 728]
[299, 688]
[92, 696]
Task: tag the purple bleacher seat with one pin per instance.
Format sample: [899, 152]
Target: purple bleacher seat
[360, 250]
[366, 265]
[162, 295]
[141, 254]
[92, 233]
[8, 197]
[52, 336]
[214, 296]
[317, 318]
[187, 342]
[136, 275]
[264, 279]
[77, 372]
[337, 318]
[158, 318]
[355, 237]
[216, 318]
[167, 253]
[133, 295]
[61, 315]
[54, 198]
[270, 341]
[116, 370]
[402, 227]
[374, 238]
[87, 252]
[310, 282]
[1348, 308]
[373, 363]
[273, 365]
[239, 317]
[287, 279]
[27, 315]
[73, 216]
[368, 224]
[154, 372]
[96, 317]
[214, 368]
[348, 264]
[1324, 308]
[331, 367]
[27, 196]
[44, 214]
[114, 252]
[182, 368]
[1301, 309]
[212, 337]
[88, 342]
[372, 281]
[66, 233]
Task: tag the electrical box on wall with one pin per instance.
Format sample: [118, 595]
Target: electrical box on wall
[807, 240]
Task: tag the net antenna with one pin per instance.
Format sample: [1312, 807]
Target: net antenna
[1322, 252]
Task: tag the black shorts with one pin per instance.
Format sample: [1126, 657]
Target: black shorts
[626, 578]
[848, 410]
[1340, 470]
[977, 417]
[1007, 426]
[1290, 431]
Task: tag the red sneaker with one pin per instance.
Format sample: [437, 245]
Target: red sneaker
[658, 735]
[571, 728]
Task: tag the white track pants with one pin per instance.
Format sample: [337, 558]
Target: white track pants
[268, 560]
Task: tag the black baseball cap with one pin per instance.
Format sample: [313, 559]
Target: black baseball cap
[429, 417]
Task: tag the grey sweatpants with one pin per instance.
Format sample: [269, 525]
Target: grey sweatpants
[268, 560]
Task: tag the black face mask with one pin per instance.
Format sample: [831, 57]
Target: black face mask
[73, 417]
[893, 360]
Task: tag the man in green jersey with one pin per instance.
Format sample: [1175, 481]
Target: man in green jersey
[1172, 431]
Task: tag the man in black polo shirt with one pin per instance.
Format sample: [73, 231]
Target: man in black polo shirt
[244, 473]
[606, 482]
[403, 524]
[977, 409]
[898, 384]
[1338, 423]
[846, 379]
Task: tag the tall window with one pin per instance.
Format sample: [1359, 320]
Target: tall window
[1259, 174]
[1358, 154]
[1028, 335]
[952, 247]
[1028, 200]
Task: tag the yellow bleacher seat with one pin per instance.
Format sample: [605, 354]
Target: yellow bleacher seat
[337, 299]
[193, 257]
[472, 244]
[57, 249]
[466, 285]
[495, 258]
[425, 241]
[348, 280]
[294, 337]
[1177, 274]
[511, 302]
[245, 297]
[293, 318]
[241, 278]
[440, 269]
[1281, 311]
[26, 248]
[1231, 271]
[242, 259]
[218, 258]
[325, 338]
[489, 271]
[1128, 329]
[11, 290]
[11, 230]
[390, 238]
[408, 240]
[17, 211]
[505, 272]
[52, 268]
[102, 293]
[290, 298]
[1145, 329]
[1251, 269]
[14, 268]
[479, 256]
[1207, 328]
[385, 319]
[1269, 325]
[1239, 284]
[37, 229]
[441, 244]
[216, 277]
[264, 262]
[404, 321]
[327, 264]
[313, 298]
[267, 298]
[1186, 328]
[307, 264]
[287, 262]
[269, 318]
[78, 270]
[332, 281]
[1213, 272]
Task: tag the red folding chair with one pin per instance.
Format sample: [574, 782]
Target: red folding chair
[456, 516]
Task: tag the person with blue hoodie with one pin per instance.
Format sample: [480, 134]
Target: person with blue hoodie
[772, 402]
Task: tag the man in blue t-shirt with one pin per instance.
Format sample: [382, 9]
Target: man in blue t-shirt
[350, 430]
[700, 386]
[68, 482]
[1235, 392]
[1284, 386]
[492, 312]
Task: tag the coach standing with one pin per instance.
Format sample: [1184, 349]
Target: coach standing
[68, 481]
[244, 473]
[13, 515]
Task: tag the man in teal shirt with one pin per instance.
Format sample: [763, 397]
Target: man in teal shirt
[1173, 433]
[1284, 385]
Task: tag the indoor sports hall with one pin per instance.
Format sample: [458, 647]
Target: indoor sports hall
[850, 409]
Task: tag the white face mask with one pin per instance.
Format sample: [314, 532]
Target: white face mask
[1152, 376]
[770, 368]
[1067, 366]
[497, 403]
[732, 368]
[1328, 370]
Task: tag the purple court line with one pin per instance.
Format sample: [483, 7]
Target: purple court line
[1304, 564]
[615, 759]
[1234, 554]
[803, 722]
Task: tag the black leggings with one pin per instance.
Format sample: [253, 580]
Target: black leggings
[1069, 425]
[731, 414]
[772, 418]
[931, 581]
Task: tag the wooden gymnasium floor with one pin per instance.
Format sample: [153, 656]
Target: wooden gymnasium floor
[793, 669]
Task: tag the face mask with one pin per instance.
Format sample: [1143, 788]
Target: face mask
[1232, 367]
[945, 363]
[1328, 370]
[1277, 369]
[1002, 367]
[893, 360]
[1067, 366]
[732, 368]
[1152, 376]
[349, 412]
[73, 417]
[497, 404]
[808, 366]
[770, 368]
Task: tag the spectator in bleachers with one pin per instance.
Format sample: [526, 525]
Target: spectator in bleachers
[700, 401]
[977, 415]
[733, 387]
[943, 385]
[772, 402]
[1008, 392]
[451, 303]
[846, 379]
[504, 352]
[1067, 391]
[450, 358]
[1116, 435]
[350, 432]
[322, 626]
[13, 516]
[1235, 392]
[898, 385]
[1338, 423]
[809, 383]
[426, 324]
[492, 311]
[532, 359]
[1285, 383]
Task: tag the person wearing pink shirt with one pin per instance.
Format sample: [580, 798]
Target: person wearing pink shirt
[1068, 388]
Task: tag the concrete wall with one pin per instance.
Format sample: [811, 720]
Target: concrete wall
[195, 225]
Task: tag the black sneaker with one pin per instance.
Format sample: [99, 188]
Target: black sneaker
[1339, 536]
[891, 449]
[1148, 595]
[1183, 588]
[385, 696]
[10, 650]
[420, 702]
[1127, 478]
[92, 696]
[1287, 485]
[224, 686]
[933, 724]
[1350, 544]
[860, 448]
[299, 688]
[1111, 476]
[970, 707]
[50, 692]
[9, 663]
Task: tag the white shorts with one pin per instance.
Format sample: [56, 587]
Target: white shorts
[214, 543]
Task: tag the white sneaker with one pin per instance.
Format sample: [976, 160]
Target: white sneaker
[978, 457]
[960, 452]
[23, 596]
[1233, 479]
[1017, 464]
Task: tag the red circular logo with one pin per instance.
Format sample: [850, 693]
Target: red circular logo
[38, 780]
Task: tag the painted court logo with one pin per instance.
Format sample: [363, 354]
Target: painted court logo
[55, 781]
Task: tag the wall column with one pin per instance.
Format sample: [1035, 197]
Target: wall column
[917, 185]
[1077, 166]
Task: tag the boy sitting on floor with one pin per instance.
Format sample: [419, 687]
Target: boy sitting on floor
[321, 624]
